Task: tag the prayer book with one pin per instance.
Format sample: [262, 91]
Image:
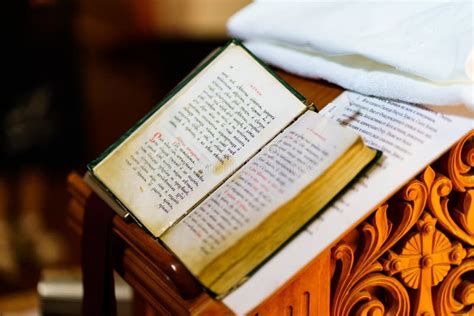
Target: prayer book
[228, 167]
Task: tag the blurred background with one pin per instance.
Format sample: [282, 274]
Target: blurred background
[77, 74]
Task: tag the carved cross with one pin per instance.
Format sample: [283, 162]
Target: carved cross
[424, 261]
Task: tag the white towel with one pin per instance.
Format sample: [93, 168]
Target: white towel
[418, 52]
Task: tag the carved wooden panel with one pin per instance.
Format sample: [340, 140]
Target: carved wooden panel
[415, 254]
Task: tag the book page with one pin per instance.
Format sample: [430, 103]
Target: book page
[198, 138]
[290, 162]
[411, 137]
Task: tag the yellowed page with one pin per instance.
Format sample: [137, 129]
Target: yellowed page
[206, 131]
[273, 177]
[411, 136]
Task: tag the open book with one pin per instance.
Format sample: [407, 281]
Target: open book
[228, 167]
[410, 136]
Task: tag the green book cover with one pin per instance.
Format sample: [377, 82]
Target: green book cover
[201, 66]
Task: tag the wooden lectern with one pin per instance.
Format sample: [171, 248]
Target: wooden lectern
[412, 255]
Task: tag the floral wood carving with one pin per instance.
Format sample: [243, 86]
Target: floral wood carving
[359, 282]
[456, 293]
[460, 163]
[425, 260]
[458, 218]
[390, 266]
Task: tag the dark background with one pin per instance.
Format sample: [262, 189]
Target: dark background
[76, 75]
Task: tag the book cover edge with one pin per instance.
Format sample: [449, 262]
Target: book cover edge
[178, 87]
[156, 108]
[377, 155]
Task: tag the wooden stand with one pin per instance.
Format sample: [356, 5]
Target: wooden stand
[413, 255]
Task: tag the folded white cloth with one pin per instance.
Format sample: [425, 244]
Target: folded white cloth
[418, 52]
